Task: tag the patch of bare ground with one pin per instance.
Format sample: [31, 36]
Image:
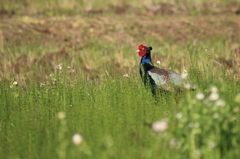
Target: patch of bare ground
[72, 31]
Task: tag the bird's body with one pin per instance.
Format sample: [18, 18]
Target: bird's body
[156, 77]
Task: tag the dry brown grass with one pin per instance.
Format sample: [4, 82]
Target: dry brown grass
[70, 39]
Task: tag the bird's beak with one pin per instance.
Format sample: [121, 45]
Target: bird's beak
[137, 51]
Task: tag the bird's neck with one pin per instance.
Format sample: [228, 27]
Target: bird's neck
[146, 59]
[146, 66]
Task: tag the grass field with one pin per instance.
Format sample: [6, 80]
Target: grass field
[70, 85]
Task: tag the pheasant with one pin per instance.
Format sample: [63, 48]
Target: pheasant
[155, 77]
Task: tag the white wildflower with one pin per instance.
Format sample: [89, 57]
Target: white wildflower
[61, 115]
[213, 96]
[220, 103]
[214, 89]
[42, 84]
[77, 139]
[51, 75]
[69, 67]
[126, 75]
[15, 83]
[160, 126]
[179, 115]
[58, 67]
[200, 96]
[184, 74]
[158, 62]
[187, 86]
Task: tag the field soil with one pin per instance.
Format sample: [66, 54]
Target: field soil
[123, 24]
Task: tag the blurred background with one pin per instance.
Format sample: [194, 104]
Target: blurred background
[93, 36]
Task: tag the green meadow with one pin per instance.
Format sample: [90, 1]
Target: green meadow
[70, 86]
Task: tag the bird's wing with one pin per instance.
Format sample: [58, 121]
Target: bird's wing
[165, 78]
[160, 76]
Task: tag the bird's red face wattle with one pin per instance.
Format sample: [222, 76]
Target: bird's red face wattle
[142, 50]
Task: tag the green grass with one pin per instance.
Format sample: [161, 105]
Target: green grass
[114, 114]
[114, 117]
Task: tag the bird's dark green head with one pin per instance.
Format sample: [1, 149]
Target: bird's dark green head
[145, 53]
